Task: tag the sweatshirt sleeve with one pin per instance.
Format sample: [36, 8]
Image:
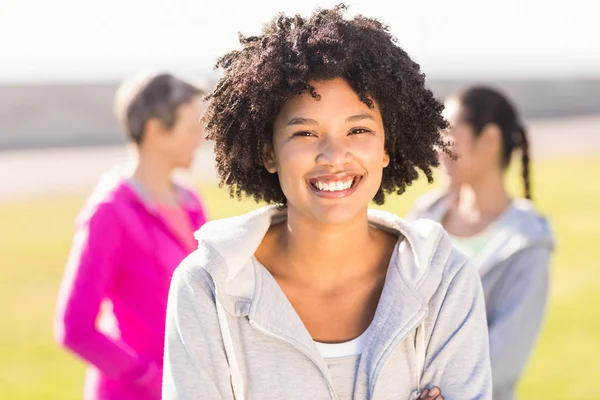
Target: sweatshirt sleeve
[457, 355]
[90, 271]
[516, 313]
[195, 364]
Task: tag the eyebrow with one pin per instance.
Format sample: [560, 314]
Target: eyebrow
[302, 121]
[360, 117]
[308, 121]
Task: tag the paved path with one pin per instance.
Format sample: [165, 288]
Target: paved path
[33, 173]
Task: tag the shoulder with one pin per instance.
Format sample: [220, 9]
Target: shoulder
[527, 224]
[441, 271]
[533, 261]
[192, 200]
[192, 272]
[448, 266]
[188, 192]
[446, 260]
[426, 204]
[526, 211]
[198, 280]
[105, 203]
[427, 257]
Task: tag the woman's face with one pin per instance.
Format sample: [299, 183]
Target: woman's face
[329, 154]
[474, 153]
[179, 144]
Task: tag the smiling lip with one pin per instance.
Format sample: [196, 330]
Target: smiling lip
[334, 186]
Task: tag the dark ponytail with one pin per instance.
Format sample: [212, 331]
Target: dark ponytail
[483, 106]
[522, 142]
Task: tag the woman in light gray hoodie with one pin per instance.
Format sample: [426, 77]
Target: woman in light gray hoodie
[508, 242]
[316, 296]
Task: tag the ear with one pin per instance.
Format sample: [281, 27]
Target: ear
[154, 128]
[386, 159]
[269, 159]
[491, 139]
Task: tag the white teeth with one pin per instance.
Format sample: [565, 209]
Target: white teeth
[335, 186]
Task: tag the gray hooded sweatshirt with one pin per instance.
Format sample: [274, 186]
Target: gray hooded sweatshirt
[514, 269]
[232, 334]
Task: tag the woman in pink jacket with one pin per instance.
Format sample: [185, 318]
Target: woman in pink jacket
[132, 233]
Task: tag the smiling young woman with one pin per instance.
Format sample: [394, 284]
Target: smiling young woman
[331, 149]
[316, 296]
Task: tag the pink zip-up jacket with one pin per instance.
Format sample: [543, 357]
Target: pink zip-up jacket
[121, 262]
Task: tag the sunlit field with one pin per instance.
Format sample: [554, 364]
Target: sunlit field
[35, 238]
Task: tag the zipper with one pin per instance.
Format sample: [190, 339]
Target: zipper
[325, 375]
[395, 343]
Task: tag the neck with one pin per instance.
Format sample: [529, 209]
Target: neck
[154, 174]
[323, 250]
[485, 198]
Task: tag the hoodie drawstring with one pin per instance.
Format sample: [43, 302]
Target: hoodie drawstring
[237, 383]
[234, 371]
[420, 352]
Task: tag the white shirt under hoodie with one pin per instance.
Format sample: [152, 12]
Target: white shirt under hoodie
[231, 333]
[514, 269]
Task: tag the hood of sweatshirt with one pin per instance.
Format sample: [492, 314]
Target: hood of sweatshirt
[423, 250]
[431, 305]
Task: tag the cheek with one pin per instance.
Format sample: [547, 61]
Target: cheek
[464, 158]
[294, 159]
[462, 163]
[179, 147]
[188, 140]
[371, 153]
[292, 164]
[462, 148]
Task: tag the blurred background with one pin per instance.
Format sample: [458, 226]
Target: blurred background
[62, 61]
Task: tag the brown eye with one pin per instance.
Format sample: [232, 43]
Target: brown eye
[359, 131]
[302, 134]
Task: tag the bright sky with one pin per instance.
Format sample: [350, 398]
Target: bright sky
[58, 40]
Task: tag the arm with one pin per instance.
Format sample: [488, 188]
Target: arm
[195, 364]
[516, 313]
[89, 274]
[457, 355]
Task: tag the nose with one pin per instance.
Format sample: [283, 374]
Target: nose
[333, 152]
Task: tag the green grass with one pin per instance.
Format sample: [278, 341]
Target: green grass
[35, 238]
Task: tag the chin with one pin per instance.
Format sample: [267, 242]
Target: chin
[327, 210]
[340, 214]
[185, 164]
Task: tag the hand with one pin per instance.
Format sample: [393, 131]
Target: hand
[151, 381]
[433, 394]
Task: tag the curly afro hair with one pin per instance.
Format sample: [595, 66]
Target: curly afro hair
[280, 63]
